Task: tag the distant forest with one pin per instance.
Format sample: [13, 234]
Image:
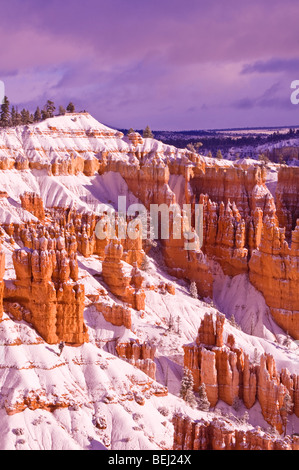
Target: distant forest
[214, 143]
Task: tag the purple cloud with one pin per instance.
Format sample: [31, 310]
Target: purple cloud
[273, 65]
[170, 64]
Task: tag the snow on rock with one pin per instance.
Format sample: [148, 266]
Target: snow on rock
[88, 397]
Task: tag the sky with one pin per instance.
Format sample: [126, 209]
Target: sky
[169, 64]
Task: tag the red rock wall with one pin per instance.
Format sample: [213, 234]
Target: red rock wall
[220, 435]
[140, 355]
[126, 285]
[287, 198]
[228, 374]
[34, 204]
[274, 270]
[245, 187]
[46, 285]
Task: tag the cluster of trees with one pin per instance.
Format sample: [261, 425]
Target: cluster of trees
[146, 133]
[186, 392]
[12, 117]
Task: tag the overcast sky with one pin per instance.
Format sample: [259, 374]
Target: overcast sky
[173, 65]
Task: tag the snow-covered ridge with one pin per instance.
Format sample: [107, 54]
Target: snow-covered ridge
[76, 134]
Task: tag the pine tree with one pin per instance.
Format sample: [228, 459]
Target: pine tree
[145, 264]
[256, 356]
[50, 108]
[245, 418]
[25, 116]
[193, 290]
[130, 131]
[209, 154]
[37, 115]
[18, 118]
[197, 145]
[170, 323]
[45, 114]
[237, 404]
[61, 111]
[147, 133]
[203, 402]
[186, 391]
[219, 155]
[13, 116]
[5, 120]
[178, 320]
[285, 410]
[70, 108]
[191, 147]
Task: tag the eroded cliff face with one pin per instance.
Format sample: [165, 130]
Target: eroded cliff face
[140, 355]
[47, 287]
[244, 187]
[287, 198]
[229, 375]
[33, 203]
[274, 270]
[124, 281]
[219, 434]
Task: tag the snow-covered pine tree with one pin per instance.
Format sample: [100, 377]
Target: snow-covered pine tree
[285, 410]
[170, 323]
[186, 391]
[203, 402]
[193, 290]
[145, 264]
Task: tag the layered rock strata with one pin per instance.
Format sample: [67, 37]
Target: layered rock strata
[33, 203]
[124, 281]
[287, 198]
[246, 188]
[274, 270]
[229, 375]
[219, 434]
[139, 355]
[47, 286]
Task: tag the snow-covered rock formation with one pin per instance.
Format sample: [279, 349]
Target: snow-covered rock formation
[120, 306]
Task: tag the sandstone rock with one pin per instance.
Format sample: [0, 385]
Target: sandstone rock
[125, 284]
[245, 188]
[228, 374]
[34, 204]
[287, 198]
[220, 435]
[274, 270]
[47, 287]
[139, 355]
[116, 314]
